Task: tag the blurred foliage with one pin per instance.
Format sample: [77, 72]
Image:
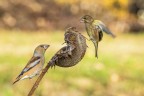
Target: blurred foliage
[119, 15]
[118, 71]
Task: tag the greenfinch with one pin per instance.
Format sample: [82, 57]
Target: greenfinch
[95, 29]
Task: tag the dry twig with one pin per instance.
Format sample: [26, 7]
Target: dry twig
[38, 80]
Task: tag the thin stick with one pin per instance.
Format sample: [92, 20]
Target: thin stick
[39, 79]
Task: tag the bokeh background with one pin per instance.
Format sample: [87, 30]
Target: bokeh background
[24, 24]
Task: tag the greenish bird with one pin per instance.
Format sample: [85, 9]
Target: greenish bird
[95, 29]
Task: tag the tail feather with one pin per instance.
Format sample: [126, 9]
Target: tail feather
[16, 81]
[96, 49]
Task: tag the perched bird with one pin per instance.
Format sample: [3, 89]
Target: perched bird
[95, 29]
[35, 64]
[74, 50]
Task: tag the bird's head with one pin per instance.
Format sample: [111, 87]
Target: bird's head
[40, 50]
[69, 29]
[69, 36]
[87, 19]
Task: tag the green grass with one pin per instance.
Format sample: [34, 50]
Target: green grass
[118, 71]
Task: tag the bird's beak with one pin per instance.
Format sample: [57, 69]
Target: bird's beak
[81, 20]
[46, 46]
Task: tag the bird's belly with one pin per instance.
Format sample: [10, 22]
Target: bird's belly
[34, 74]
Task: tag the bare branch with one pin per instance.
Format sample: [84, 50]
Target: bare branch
[39, 79]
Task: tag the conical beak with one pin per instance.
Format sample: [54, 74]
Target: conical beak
[46, 46]
[81, 20]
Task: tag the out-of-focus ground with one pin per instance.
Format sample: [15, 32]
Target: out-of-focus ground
[24, 24]
[118, 71]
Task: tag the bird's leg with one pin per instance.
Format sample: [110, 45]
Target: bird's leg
[53, 62]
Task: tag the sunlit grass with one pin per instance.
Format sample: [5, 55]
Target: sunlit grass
[118, 71]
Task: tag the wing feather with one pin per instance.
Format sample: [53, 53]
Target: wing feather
[33, 62]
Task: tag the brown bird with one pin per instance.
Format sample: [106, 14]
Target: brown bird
[74, 50]
[35, 64]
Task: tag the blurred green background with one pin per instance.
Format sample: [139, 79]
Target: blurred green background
[24, 24]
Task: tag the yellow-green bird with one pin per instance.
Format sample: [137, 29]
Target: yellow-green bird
[95, 29]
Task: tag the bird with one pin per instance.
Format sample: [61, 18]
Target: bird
[72, 52]
[95, 29]
[34, 65]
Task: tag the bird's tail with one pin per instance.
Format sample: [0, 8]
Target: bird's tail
[96, 49]
[16, 81]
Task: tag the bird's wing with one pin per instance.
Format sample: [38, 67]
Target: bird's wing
[64, 52]
[33, 62]
[95, 33]
[103, 27]
[106, 30]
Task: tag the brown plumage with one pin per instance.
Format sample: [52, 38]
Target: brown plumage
[35, 64]
[74, 50]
